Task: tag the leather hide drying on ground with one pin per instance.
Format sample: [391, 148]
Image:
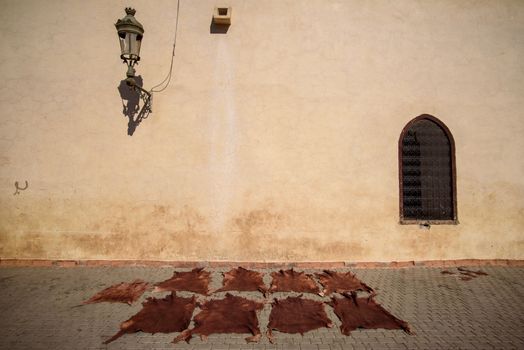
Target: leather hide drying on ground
[243, 280]
[196, 280]
[364, 313]
[293, 281]
[167, 315]
[296, 315]
[341, 282]
[120, 293]
[229, 315]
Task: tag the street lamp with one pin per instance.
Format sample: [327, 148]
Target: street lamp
[130, 34]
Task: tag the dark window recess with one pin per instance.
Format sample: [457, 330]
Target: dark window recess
[427, 176]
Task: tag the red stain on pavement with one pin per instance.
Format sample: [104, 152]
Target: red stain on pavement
[465, 274]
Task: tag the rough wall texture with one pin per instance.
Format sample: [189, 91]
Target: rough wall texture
[275, 141]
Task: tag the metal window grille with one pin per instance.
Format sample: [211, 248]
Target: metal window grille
[427, 177]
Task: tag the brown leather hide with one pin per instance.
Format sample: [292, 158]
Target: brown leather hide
[340, 282]
[229, 315]
[293, 281]
[171, 314]
[243, 280]
[364, 313]
[120, 293]
[296, 315]
[196, 280]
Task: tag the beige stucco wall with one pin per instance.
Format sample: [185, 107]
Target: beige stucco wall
[276, 141]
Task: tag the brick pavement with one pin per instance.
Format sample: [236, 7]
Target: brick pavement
[36, 311]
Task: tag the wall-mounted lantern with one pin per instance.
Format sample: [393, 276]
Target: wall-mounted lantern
[222, 16]
[130, 34]
[221, 20]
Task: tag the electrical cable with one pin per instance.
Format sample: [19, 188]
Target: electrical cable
[168, 77]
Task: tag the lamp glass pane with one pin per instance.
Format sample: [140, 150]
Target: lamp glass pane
[134, 44]
[138, 43]
[132, 47]
[129, 44]
[123, 45]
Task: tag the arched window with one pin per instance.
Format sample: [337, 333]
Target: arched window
[427, 172]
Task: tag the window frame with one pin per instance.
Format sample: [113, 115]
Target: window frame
[404, 221]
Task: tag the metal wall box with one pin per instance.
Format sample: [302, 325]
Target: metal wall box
[222, 15]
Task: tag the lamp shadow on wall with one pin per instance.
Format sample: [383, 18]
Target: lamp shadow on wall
[131, 105]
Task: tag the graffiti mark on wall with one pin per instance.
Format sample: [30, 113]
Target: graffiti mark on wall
[18, 188]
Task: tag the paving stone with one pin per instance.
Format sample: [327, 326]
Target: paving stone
[308, 347]
[37, 311]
